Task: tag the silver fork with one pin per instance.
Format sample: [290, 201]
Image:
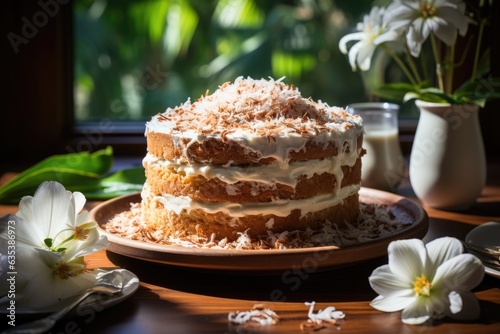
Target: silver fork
[108, 284]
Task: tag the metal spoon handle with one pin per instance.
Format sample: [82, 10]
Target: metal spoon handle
[484, 251]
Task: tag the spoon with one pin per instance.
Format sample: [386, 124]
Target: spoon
[484, 251]
[483, 241]
[108, 284]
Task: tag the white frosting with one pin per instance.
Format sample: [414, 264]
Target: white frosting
[266, 117]
[267, 174]
[280, 208]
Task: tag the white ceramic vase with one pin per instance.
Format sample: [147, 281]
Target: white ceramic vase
[447, 162]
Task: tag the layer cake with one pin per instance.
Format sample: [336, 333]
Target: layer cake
[254, 156]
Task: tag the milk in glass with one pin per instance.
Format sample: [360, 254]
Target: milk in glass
[383, 164]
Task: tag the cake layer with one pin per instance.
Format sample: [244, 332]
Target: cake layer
[252, 183]
[262, 150]
[181, 215]
[253, 121]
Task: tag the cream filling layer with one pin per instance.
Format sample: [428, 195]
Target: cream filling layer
[279, 208]
[278, 146]
[267, 174]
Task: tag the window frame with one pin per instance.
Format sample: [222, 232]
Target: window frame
[40, 89]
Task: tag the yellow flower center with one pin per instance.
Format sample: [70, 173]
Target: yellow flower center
[82, 231]
[422, 286]
[66, 270]
[427, 9]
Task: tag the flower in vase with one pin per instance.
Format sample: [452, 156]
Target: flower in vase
[404, 27]
[420, 19]
[372, 32]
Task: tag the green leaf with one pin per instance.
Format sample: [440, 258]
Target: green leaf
[71, 170]
[479, 91]
[433, 94]
[122, 182]
[48, 242]
[395, 91]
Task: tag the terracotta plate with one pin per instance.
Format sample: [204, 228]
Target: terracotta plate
[325, 257]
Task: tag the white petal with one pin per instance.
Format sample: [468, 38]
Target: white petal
[456, 302]
[417, 34]
[407, 258]
[392, 304]
[82, 218]
[447, 34]
[454, 18]
[72, 286]
[413, 46]
[46, 289]
[385, 283]
[36, 233]
[91, 244]
[349, 38]
[400, 15]
[365, 56]
[389, 36]
[28, 266]
[27, 235]
[442, 249]
[48, 258]
[353, 54]
[463, 273]
[41, 287]
[50, 207]
[418, 312]
[469, 309]
[26, 208]
[79, 201]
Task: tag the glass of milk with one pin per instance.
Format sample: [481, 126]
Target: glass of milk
[383, 165]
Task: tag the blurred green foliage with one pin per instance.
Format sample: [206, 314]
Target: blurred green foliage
[135, 58]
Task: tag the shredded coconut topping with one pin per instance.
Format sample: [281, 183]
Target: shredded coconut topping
[262, 107]
[374, 222]
[258, 314]
[316, 321]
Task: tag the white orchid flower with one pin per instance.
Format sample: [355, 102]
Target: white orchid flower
[53, 219]
[372, 32]
[51, 238]
[417, 19]
[428, 281]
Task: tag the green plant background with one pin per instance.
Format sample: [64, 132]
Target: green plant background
[134, 58]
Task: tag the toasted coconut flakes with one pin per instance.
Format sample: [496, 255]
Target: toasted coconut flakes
[271, 106]
[317, 320]
[374, 222]
[258, 314]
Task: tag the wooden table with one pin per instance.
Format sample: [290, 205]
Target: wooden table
[176, 300]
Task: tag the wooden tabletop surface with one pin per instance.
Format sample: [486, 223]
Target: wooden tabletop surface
[177, 300]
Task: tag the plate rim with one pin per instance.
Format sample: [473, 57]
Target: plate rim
[153, 252]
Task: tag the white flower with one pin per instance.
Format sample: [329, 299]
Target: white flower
[417, 19]
[373, 31]
[51, 238]
[428, 281]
